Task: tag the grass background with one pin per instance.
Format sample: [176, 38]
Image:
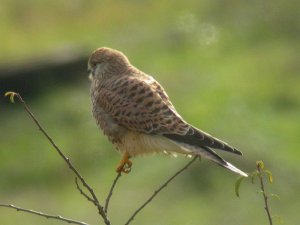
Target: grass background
[230, 67]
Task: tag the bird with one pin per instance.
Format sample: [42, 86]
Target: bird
[134, 111]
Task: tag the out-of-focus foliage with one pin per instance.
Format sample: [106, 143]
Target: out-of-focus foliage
[230, 68]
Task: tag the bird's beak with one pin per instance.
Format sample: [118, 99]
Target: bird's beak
[90, 73]
[90, 77]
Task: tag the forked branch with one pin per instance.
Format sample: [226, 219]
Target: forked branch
[66, 159]
[90, 194]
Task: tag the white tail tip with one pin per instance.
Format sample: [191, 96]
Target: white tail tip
[234, 169]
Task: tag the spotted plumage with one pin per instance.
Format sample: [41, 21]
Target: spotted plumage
[135, 112]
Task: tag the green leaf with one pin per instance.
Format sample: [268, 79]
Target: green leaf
[278, 218]
[253, 175]
[11, 95]
[260, 164]
[275, 196]
[259, 192]
[237, 185]
[268, 172]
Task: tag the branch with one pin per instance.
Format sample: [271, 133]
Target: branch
[111, 191]
[262, 186]
[66, 159]
[158, 190]
[92, 198]
[43, 214]
[82, 192]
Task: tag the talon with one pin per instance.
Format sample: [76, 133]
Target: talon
[125, 164]
[126, 170]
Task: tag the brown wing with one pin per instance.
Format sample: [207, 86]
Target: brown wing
[139, 103]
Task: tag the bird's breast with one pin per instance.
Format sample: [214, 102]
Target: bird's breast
[104, 121]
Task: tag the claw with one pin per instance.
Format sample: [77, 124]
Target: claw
[125, 164]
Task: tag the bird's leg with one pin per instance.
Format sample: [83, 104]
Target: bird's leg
[125, 164]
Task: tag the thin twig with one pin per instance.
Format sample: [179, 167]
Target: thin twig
[264, 195]
[66, 159]
[158, 190]
[43, 214]
[82, 192]
[111, 191]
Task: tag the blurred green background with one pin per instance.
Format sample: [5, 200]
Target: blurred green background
[231, 68]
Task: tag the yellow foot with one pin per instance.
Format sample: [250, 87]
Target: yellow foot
[125, 164]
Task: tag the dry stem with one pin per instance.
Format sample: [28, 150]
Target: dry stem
[92, 198]
[66, 159]
[158, 190]
[82, 192]
[43, 214]
[111, 191]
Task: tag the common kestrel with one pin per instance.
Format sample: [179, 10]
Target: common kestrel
[135, 112]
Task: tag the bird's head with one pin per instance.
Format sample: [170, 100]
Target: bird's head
[107, 62]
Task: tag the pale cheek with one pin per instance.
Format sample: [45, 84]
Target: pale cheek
[99, 70]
